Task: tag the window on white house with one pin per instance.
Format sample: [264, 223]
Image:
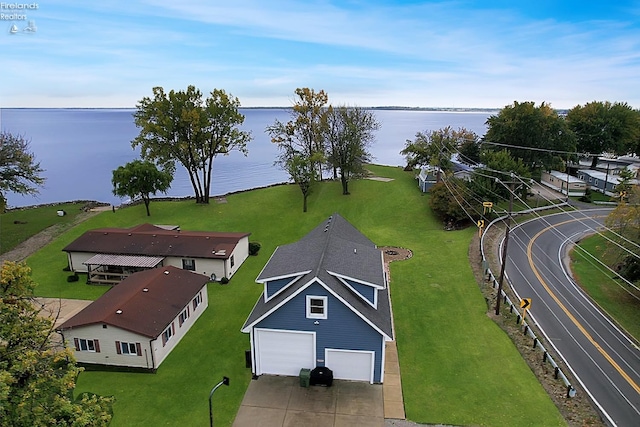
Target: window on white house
[167, 334]
[232, 261]
[316, 307]
[128, 348]
[82, 344]
[189, 264]
[197, 300]
[183, 316]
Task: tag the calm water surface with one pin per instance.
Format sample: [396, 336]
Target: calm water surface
[79, 148]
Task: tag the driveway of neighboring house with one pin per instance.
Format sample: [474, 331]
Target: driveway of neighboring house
[279, 401]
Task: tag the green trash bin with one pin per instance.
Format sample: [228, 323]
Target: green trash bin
[305, 377]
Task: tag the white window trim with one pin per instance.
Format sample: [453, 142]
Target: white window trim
[311, 315]
[128, 345]
[86, 344]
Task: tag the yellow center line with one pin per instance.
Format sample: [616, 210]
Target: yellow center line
[573, 319]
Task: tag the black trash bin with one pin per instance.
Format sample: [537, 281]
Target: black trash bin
[321, 375]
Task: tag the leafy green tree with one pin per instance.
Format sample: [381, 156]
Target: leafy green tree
[350, 132]
[305, 133]
[531, 133]
[488, 182]
[185, 128]
[603, 127]
[625, 221]
[445, 200]
[302, 170]
[140, 179]
[436, 147]
[624, 186]
[36, 378]
[19, 171]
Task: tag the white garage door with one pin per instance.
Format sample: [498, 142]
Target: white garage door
[284, 352]
[350, 364]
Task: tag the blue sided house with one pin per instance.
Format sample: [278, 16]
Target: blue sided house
[325, 303]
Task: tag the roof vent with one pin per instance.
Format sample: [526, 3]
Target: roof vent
[118, 311]
[145, 289]
[129, 234]
[105, 233]
[166, 272]
[355, 251]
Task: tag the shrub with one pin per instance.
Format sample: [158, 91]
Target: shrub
[72, 278]
[224, 281]
[254, 248]
[587, 196]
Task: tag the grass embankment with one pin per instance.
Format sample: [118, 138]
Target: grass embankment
[18, 225]
[457, 366]
[613, 295]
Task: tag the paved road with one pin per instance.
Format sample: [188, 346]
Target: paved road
[601, 357]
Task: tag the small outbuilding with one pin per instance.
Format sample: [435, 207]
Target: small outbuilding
[137, 323]
[108, 255]
[325, 303]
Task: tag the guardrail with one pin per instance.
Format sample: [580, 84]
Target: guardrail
[537, 343]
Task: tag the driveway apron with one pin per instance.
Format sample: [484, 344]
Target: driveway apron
[278, 401]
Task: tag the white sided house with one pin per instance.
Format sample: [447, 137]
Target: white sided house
[108, 255]
[137, 323]
[560, 181]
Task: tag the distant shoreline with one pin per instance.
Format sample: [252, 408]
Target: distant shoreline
[381, 108]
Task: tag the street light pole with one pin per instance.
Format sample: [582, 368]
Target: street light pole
[225, 381]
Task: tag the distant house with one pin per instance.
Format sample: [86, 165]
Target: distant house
[108, 255]
[138, 323]
[601, 181]
[325, 303]
[559, 181]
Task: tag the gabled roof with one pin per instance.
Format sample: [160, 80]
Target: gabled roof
[144, 303]
[151, 240]
[333, 249]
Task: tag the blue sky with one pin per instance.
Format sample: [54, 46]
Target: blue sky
[483, 54]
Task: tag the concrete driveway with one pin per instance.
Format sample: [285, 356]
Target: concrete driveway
[279, 401]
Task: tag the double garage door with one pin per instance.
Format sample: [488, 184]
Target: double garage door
[279, 352]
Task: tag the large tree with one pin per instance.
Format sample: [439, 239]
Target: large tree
[305, 132]
[140, 179]
[603, 127]
[492, 181]
[350, 132]
[435, 148]
[185, 128]
[37, 379]
[535, 134]
[19, 171]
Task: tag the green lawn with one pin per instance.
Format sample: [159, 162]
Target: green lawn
[613, 295]
[18, 225]
[457, 366]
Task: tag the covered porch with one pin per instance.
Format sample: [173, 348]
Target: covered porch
[108, 269]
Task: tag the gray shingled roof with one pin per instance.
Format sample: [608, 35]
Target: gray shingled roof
[334, 246]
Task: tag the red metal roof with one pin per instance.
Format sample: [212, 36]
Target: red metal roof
[148, 239]
[145, 302]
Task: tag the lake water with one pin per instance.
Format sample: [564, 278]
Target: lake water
[79, 149]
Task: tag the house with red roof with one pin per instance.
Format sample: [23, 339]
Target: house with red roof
[108, 255]
[137, 323]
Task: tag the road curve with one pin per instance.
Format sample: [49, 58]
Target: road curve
[601, 357]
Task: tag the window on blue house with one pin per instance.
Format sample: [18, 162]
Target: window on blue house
[316, 307]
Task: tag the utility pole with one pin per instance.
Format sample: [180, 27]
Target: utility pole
[504, 248]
